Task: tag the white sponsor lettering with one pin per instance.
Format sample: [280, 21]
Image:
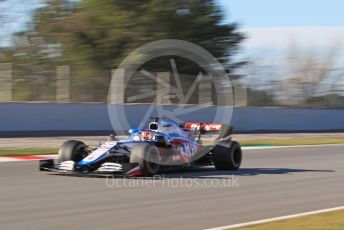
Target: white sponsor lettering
[99, 151]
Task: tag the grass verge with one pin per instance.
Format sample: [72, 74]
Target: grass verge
[290, 142]
[24, 152]
[324, 221]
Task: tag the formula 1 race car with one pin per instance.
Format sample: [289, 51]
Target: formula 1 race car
[164, 145]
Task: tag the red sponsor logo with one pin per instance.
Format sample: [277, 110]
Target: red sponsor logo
[208, 127]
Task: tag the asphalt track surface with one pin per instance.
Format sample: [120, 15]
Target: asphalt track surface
[271, 183]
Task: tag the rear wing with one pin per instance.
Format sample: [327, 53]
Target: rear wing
[224, 130]
[198, 126]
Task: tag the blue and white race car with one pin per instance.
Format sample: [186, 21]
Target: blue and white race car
[162, 146]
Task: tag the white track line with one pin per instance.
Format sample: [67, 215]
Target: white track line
[8, 159]
[290, 146]
[36, 158]
[277, 219]
[51, 156]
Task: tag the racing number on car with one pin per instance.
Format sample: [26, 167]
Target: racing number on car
[188, 149]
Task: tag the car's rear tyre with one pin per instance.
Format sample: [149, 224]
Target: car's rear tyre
[147, 156]
[72, 151]
[227, 158]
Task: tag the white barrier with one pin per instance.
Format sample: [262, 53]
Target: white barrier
[36, 117]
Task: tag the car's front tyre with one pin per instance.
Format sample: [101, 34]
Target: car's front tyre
[72, 151]
[147, 157]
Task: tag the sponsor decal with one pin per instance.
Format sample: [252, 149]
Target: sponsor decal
[99, 151]
[207, 127]
[213, 127]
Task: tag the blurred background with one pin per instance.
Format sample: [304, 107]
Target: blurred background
[275, 54]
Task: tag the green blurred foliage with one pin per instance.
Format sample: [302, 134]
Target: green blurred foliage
[33, 73]
[260, 98]
[96, 35]
[326, 101]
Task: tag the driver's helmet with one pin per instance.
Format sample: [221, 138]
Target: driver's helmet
[153, 126]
